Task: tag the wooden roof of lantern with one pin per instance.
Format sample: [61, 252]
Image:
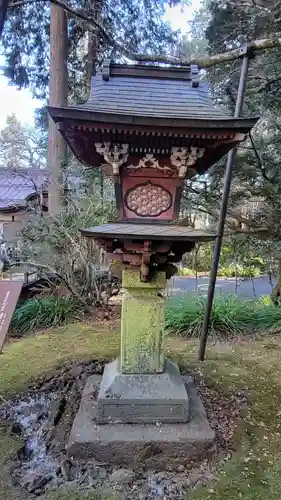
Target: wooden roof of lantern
[151, 109]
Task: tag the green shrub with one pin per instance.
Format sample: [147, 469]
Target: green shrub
[227, 271]
[44, 313]
[241, 271]
[230, 317]
[186, 271]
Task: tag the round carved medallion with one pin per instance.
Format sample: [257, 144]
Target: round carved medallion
[148, 200]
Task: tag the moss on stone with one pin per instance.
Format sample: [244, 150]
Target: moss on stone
[142, 324]
[131, 279]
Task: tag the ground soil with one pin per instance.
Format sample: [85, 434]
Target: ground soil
[68, 381]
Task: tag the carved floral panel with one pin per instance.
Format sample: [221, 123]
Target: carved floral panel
[148, 200]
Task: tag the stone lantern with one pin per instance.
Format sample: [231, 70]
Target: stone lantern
[150, 128]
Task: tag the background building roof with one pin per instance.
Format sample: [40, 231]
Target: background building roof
[17, 188]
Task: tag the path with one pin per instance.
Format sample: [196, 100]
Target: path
[246, 287]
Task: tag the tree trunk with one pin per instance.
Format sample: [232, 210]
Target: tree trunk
[3, 14]
[58, 91]
[102, 191]
[91, 58]
[94, 40]
[276, 292]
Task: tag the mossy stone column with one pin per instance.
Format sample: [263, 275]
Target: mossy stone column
[142, 324]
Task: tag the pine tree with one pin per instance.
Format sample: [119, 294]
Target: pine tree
[136, 25]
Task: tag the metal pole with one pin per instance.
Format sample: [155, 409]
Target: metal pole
[3, 14]
[223, 210]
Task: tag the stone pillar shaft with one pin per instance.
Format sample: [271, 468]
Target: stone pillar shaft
[142, 324]
[140, 386]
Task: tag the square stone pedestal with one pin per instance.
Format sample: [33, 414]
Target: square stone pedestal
[153, 446]
[142, 398]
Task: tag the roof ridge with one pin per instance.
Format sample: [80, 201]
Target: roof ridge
[189, 72]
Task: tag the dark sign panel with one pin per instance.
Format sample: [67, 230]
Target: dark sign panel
[9, 294]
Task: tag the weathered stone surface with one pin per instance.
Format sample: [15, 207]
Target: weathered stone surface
[142, 398]
[56, 411]
[142, 324]
[65, 468]
[135, 445]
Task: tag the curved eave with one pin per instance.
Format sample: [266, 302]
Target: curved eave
[20, 206]
[13, 209]
[124, 230]
[78, 114]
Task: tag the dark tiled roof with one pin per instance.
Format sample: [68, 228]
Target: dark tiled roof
[16, 188]
[166, 93]
[20, 186]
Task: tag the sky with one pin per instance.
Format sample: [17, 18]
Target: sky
[21, 103]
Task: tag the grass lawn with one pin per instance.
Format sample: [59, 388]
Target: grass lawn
[254, 471]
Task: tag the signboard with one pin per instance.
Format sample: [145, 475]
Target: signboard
[9, 294]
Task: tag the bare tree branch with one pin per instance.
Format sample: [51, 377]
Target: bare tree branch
[202, 62]
[48, 268]
[70, 238]
[259, 160]
[267, 84]
[37, 190]
[250, 229]
[258, 4]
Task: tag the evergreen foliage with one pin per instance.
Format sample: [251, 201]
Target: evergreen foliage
[254, 205]
[137, 25]
[22, 146]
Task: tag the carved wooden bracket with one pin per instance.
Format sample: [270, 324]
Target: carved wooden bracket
[114, 154]
[185, 158]
[149, 161]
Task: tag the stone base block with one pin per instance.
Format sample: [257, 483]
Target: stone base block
[135, 445]
[128, 399]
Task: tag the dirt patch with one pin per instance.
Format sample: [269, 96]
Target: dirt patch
[224, 413]
[44, 419]
[69, 383]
